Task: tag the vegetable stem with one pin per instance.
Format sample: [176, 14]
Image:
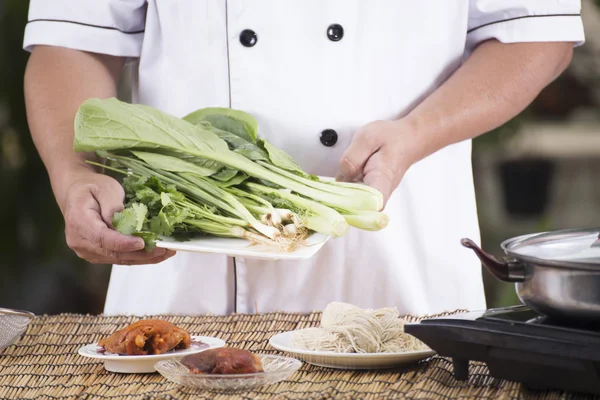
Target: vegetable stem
[372, 221]
[332, 223]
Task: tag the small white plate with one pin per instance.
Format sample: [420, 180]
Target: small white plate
[357, 361]
[243, 248]
[145, 364]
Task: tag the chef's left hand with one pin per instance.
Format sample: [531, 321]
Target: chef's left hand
[378, 155]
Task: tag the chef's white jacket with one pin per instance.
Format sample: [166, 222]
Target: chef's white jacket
[311, 72]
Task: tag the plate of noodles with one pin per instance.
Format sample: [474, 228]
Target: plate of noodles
[353, 338]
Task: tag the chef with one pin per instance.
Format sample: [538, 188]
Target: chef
[388, 92]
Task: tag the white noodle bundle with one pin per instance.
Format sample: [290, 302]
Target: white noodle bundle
[346, 328]
[321, 339]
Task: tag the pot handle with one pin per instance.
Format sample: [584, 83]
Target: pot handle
[507, 269]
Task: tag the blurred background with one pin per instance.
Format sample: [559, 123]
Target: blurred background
[538, 172]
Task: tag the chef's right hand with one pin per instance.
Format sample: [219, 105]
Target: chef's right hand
[88, 207]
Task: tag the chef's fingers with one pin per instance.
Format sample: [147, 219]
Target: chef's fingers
[381, 173]
[92, 228]
[110, 199]
[168, 254]
[83, 220]
[88, 247]
[352, 163]
[126, 258]
[381, 181]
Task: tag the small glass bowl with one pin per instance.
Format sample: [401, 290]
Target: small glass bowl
[276, 369]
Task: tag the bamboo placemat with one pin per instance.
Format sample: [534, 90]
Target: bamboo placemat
[45, 365]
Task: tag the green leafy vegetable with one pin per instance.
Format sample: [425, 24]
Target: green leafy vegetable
[113, 125]
[239, 145]
[225, 175]
[239, 130]
[281, 159]
[131, 219]
[211, 174]
[236, 122]
[236, 180]
[173, 164]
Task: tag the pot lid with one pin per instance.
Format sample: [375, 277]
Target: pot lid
[579, 246]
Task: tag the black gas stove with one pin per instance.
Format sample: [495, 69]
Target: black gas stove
[518, 344]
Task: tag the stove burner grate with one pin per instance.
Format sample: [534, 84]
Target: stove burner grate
[518, 344]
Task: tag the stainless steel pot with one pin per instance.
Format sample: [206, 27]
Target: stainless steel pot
[555, 273]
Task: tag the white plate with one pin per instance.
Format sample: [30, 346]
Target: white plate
[145, 364]
[243, 248]
[329, 359]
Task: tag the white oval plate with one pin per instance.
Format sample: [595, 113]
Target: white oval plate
[243, 248]
[145, 364]
[329, 359]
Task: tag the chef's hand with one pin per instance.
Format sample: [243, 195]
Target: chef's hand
[377, 156]
[88, 207]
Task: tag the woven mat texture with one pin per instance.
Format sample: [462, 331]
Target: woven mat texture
[44, 364]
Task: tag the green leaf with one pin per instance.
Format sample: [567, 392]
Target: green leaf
[236, 180]
[201, 162]
[240, 145]
[140, 213]
[281, 159]
[132, 184]
[243, 147]
[169, 217]
[237, 128]
[172, 164]
[144, 190]
[147, 196]
[279, 202]
[155, 184]
[161, 225]
[236, 122]
[176, 215]
[125, 221]
[111, 124]
[225, 174]
[165, 199]
[175, 195]
[237, 143]
[268, 184]
[131, 219]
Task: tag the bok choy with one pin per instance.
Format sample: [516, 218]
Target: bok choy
[211, 173]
